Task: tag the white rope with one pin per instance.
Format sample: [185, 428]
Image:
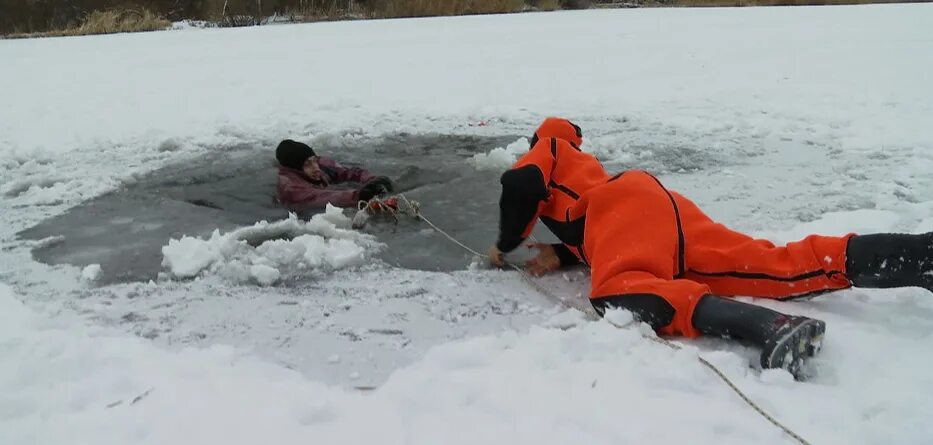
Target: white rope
[591, 313]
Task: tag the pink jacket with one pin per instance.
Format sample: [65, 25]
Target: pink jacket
[295, 189]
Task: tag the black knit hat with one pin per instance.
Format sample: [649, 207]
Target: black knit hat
[293, 154]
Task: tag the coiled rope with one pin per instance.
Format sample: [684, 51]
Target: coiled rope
[413, 208]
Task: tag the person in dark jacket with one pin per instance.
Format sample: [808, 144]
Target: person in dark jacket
[307, 180]
[653, 252]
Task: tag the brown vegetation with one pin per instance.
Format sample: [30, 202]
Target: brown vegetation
[422, 8]
[42, 16]
[114, 21]
[108, 22]
[74, 17]
[545, 5]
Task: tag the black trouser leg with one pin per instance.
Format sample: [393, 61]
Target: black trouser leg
[721, 317]
[724, 317]
[648, 308]
[884, 260]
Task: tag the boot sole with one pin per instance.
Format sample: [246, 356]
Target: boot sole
[800, 343]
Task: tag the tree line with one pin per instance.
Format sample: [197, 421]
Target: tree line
[34, 16]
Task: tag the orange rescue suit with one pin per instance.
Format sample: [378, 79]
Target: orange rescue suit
[641, 239]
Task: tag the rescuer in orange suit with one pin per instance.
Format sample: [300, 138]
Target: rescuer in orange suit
[655, 253]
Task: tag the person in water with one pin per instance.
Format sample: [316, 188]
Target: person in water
[307, 180]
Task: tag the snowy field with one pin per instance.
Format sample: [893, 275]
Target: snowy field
[778, 121]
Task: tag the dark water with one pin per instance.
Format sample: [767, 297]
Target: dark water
[125, 230]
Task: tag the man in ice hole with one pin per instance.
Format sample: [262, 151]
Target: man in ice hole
[307, 180]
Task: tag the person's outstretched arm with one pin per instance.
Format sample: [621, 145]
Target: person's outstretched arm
[295, 192]
[524, 188]
[345, 174]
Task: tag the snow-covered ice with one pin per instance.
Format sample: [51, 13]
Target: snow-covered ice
[267, 251]
[91, 272]
[777, 121]
[500, 158]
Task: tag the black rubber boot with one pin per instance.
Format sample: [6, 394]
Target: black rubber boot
[785, 340]
[885, 260]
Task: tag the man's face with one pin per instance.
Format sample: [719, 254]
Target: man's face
[312, 169]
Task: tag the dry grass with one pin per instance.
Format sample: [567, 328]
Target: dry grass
[545, 5]
[320, 12]
[64, 20]
[114, 21]
[109, 22]
[424, 8]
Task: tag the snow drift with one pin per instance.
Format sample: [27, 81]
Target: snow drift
[267, 252]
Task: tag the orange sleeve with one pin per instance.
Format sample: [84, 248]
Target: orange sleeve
[543, 155]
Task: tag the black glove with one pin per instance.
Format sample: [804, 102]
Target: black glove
[371, 190]
[383, 181]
